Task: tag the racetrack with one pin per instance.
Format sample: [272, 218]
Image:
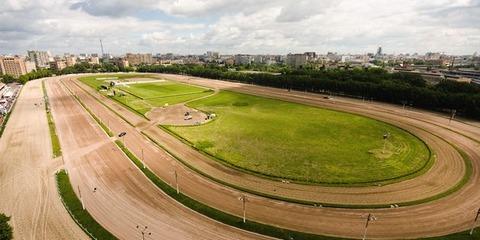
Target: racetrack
[439, 179]
[124, 197]
[28, 190]
[447, 215]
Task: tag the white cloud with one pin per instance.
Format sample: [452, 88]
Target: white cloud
[249, 26]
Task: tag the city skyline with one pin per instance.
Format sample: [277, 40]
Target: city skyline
[252, 27]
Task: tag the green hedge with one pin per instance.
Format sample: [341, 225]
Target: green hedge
[74, 207]
[56, 149]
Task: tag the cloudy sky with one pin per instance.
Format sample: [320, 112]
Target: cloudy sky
[240, 26]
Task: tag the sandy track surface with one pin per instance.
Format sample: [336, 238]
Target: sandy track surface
[447, 215]
[124, 198]
[175, 115]
[28, 189]
[448, 170]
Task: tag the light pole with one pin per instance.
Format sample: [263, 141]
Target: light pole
[143, 231]
[370, 217]
[385, 137]
[454, 111]
[243, 198]
[80, 195]
[143, 160]
[176, 181]
[475, 221]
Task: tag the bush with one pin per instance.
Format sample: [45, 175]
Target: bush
[6, 232]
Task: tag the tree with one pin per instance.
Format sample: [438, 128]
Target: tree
[8, 79]
[6, 232]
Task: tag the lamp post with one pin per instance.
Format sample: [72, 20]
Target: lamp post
[454, 111]
[385, 137]
[370, 217]
[475, 222]
[80, 195]
[243, 198]
[144, 231]
[143, 160]
[176, 181]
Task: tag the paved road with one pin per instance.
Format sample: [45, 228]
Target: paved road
[124, 197]
[27, 183]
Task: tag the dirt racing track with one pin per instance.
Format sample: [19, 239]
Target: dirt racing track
[126, 198]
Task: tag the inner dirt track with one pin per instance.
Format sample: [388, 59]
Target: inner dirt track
[447, 171]
[450, 214]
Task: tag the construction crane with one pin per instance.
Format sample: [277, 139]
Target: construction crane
[101, 46]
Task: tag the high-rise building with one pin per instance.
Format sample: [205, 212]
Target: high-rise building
[30, 66]
[58, 64]
[138, 58]
[93, 60]
[70, 61]
[296, 60]
[311, 55]
[120, 62]
[213, 55]
[13, 65]
[242, 59]
[379, 51]
[41, 58]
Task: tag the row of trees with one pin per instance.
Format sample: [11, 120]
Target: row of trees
[77, 68]
[27, 77]
[93, 68]
[372, 83]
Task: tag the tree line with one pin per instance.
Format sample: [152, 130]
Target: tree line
[77, 68]
[367, 83]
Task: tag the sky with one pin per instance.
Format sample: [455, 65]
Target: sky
[240, 26]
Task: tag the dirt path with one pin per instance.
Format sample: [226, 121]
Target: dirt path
[447, 215]
[447, 171]
[28, 189]
[124, 198]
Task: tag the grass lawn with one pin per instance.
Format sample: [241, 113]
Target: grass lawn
[97, 80]
[298, 142]
[160, 89]
[143, 97]
[56, 149]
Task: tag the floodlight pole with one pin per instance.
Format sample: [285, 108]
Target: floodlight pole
[143, 160]
[176, 181]
[454, 111]
[243, 199]
[80, 195]
[475, 222]
[369, 218]
[385, 137]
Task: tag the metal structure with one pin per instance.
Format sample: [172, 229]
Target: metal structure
[370, 217]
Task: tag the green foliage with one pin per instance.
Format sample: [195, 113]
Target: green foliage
[298, 142]
[84, 67]
[142, 97]
[74, 206]
[6, 231]
[56, 149]
[370, 83]
[8, 79]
